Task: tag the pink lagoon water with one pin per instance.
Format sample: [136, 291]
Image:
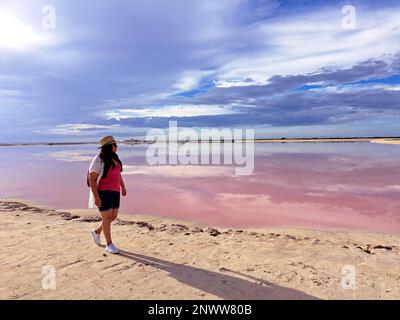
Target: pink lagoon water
[320, 185]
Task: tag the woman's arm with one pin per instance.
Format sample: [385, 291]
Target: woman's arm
[121, 182]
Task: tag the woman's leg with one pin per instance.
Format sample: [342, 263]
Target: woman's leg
[107, 217]
[115, 213]
[99, 229]
[116, 203]
[106, 200]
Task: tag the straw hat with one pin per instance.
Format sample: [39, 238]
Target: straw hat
[106, 140]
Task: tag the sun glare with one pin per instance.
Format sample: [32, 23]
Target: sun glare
[14, 34]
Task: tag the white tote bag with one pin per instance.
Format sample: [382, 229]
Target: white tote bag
[98, 167]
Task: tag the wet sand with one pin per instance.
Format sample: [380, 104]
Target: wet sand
[170, 259]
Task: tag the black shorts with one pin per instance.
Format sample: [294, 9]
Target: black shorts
[109, 200]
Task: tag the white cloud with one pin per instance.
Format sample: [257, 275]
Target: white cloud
[79, 128]
[168, 111]
[180, 170]
[10, 93]
[16, 35]
[356, 87]
[394, 88]
[341, 188]
[226, 83]
[244, 197]
[67, 156]
[191, 79]
[305, 43]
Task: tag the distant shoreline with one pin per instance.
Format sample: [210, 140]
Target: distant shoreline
[44, 144]
[382, 140]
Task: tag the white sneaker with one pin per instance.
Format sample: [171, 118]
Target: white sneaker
[112, 249]
[96, 237]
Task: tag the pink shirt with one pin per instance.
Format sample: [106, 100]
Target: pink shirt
[111, 182]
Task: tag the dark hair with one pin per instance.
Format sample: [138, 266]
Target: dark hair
[107, 157]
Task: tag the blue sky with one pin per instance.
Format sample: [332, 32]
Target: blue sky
[285, 68]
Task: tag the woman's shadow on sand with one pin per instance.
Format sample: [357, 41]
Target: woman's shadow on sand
[221, 285]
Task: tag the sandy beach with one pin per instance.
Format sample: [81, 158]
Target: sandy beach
[386, 141]
[168, 259]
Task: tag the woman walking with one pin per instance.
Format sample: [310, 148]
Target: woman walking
[106, 183]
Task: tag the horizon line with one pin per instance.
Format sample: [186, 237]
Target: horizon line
[127, 141]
